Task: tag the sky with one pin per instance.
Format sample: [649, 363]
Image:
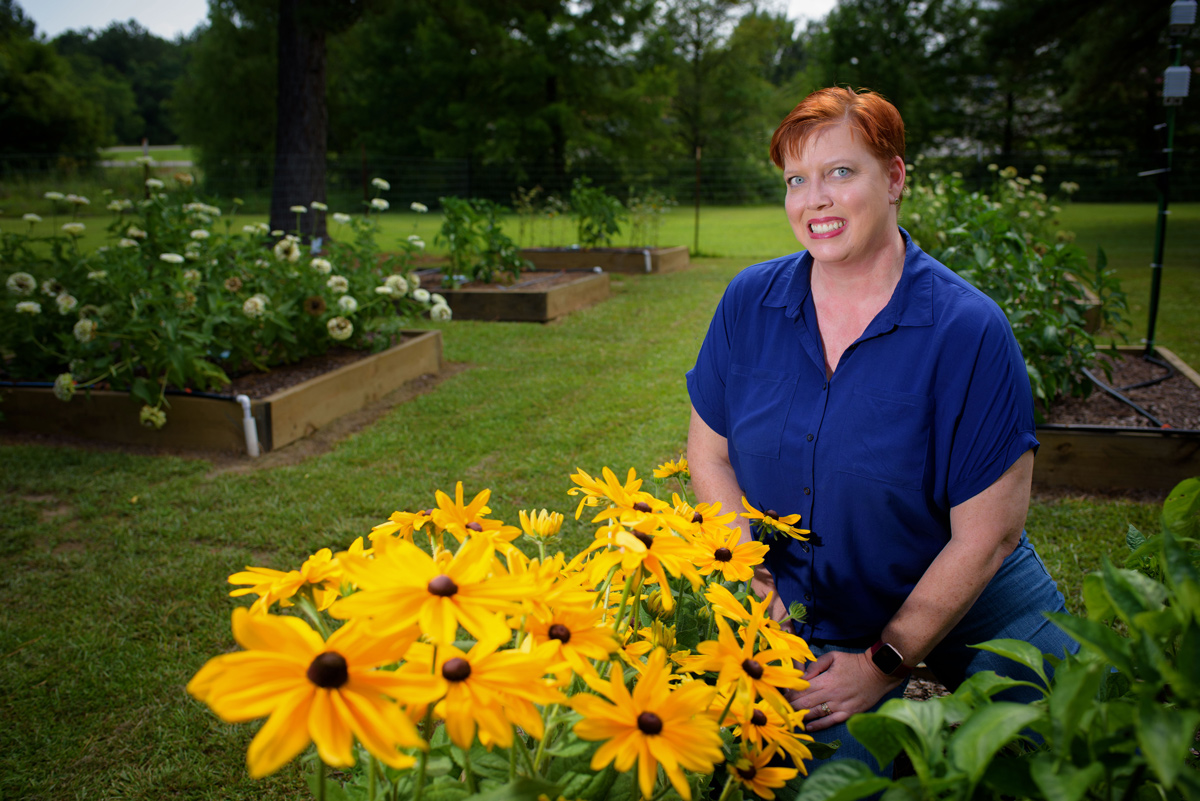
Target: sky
[171, 18]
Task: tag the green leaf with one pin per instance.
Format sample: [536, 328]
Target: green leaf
[445, 789]
[843, 780]
[1020, 652]
[1095, 599]
[1099, 638]
[1130, 591]
[1062, 781]
[1134, 538]
[1074, 697]
[976, 742]
[1009, 777]
[1165, 735]
[523, 789]
[1181, 510]
[885, 737]
[977, 690]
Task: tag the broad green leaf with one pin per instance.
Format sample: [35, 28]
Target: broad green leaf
[1186, 677]
[1062, 781]
[843, 780]
[1181, 510]
[1009, 777]
[1131, 592]
[1074, 696]
[885, 737]
[976, 742]
[1020, 652]
[1099, 638]
[1161, 624]
[1134, 538]
[523, 789]
[1165, 735]
[977, 690]
[445, 789]
[1178, 561]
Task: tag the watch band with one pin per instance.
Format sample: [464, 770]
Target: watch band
[888, 660]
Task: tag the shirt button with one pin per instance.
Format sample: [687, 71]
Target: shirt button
[807, 491]
[825, 385]
[804, 547]
[807, 597]
[810, 437]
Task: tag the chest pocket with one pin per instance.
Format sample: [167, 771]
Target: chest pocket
[758, 402]
[885, 436]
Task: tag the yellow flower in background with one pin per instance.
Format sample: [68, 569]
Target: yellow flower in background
[747, 672]
[404, 586]
[403, 525]
[465, 520]
[753, 772]
[541, 525]
[724, 553]
[627, 495]
[654, 725]
[771, 522]
[658, 555]
[762, 726]
[574, 637]
[725, 604]
[668, 469]
[310, 690]
[486, 689]
[321, 574]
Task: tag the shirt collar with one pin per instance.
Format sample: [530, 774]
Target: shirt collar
[911, 303]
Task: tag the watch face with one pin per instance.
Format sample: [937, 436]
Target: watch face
[887, 658]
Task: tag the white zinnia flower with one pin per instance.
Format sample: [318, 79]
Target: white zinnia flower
[379, 183]
[379, 203]
[397, 284]
[383, 289]
[151, 417]
[171, 258]
[29, 307]
[318, 206]
[287, 250]
[53, 196]
[298, 210]
[416, 240]
[31, 218]
[340, 328]
[126, 242]
[347, 304]
[437, 300]
[414, 280]
[200, 233]
[64, 387]
[339, 284]
[97, 275]
[85, 330]
[154, 183]
[421, 295]
[254, 307]
[21, 284]
[66, 303]
[191, 275]
[78, 200]
[250, 229]
[322, 266]
[440, 312]
[340, 218]
[419, 208]
[136, 232]
[74, 228]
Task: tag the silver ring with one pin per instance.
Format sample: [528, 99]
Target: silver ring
[825, 709]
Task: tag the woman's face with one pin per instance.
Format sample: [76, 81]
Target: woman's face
[839, 198]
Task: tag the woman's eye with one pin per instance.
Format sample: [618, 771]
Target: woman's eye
[841, 172]
[795, 180]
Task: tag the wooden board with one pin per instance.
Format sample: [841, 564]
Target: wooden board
[1116, 457]
[215, 424]
[611, 260]
[537, 304]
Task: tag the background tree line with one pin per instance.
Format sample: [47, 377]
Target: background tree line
[511, 93]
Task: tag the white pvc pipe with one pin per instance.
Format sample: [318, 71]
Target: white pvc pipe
[649, 262]
[248, 425]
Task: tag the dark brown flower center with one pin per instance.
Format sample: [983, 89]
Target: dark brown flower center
[646, 539]
[642, 506]
[747, 773]
[649, 723]
[474, 526]
[753, 669]
[328, 670]
[442, 586]
[456, 669]
[697, 518]
[771, 513]
[559, 632]
[759, 717]
[722, 554]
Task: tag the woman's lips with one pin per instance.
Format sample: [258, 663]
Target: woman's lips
[826, 227]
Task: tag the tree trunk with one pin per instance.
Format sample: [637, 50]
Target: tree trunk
[301, 126]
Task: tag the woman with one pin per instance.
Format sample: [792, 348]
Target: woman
[868, 388]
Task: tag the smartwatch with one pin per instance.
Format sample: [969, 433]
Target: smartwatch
[888, 660]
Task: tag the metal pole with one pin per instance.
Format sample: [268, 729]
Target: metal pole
[1160, 229]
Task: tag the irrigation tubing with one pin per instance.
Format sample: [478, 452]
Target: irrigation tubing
[1170, 368]
[1116, 394]
[50, 384]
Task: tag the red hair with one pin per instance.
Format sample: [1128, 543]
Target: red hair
[866, 112]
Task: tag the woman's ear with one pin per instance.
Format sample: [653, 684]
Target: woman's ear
[897, 174]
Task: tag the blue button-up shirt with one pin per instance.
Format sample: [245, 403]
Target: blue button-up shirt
[924, 411]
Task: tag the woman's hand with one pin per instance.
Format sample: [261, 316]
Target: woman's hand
[840, 684]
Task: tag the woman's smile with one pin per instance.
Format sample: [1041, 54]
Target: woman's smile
[826, 227]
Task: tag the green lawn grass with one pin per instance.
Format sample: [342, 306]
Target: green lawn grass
[115, 564]
[182, 153]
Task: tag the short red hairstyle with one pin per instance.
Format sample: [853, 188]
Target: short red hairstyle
[866, 112]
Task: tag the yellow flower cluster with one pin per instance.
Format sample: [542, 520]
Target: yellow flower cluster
[518, 652]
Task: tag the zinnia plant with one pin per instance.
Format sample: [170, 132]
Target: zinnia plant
[427, 666]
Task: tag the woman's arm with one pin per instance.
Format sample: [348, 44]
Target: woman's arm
[714, 481]
[983, 531]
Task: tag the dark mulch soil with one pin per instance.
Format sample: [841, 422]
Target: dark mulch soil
[1176, 401]
[530, 280]
[261, 385]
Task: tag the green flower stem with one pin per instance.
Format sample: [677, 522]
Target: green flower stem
[550, 725]
[305, 603]
[470, 776]
[725, 711]
[624, 602]
[519, 744]
[512, 761]
[320, 780]
[728, 788]
[371, 778]
[426, 733]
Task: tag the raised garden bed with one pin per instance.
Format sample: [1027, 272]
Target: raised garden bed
[1124, 450]
[215, 423]
[537, 296]
[610, 260]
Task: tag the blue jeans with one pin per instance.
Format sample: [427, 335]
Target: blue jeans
[1012, 606]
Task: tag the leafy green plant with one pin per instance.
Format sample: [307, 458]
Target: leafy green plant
[174, 303]
[1117, 721]
[478, 248]
[1005, 244]
[646, 211]
[598, 215]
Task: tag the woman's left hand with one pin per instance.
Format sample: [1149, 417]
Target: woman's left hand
[840, 684]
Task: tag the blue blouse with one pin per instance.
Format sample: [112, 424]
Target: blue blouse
[924, 411]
